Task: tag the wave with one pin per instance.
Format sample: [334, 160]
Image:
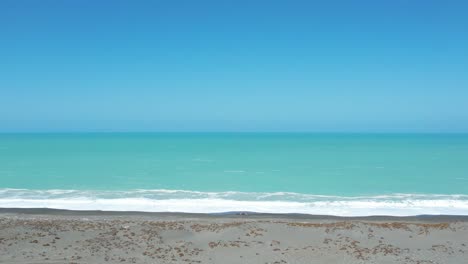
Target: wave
[163, 200]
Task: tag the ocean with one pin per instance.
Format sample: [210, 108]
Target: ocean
[311, 173]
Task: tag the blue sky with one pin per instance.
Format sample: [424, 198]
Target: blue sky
[359, 66]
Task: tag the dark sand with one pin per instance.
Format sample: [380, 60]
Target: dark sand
[60, 236]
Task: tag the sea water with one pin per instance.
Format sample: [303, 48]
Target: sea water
[333, 174]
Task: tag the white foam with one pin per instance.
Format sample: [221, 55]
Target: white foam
[216, 202]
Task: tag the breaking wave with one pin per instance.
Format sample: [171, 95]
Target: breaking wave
[217, 202]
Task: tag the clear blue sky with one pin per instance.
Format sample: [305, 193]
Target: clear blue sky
[239, 65]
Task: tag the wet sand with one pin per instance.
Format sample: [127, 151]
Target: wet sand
[58, 236]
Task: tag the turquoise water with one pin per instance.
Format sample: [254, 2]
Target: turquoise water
[236, 171]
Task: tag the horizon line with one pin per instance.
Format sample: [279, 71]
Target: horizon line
[226, 132]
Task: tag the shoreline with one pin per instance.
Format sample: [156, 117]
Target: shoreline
[227, 215]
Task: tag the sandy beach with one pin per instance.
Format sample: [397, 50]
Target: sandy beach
[55, 236]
